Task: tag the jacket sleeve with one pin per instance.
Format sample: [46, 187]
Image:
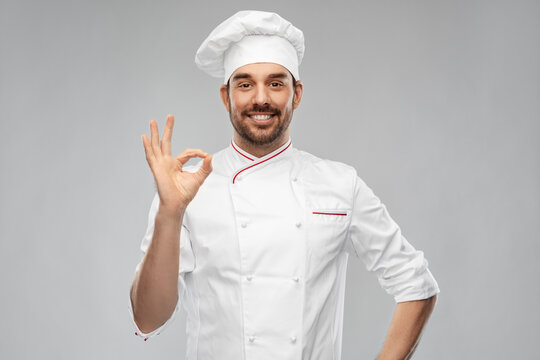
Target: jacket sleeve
[186, 265]
[402, 271]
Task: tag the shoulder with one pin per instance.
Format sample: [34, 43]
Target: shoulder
[316, 164]
[331, 172]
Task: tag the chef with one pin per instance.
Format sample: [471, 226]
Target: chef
[253, 241]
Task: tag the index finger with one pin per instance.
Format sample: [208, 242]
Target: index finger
[190, 153]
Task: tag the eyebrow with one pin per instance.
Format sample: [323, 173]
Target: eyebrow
[278, 76]
[248, 76]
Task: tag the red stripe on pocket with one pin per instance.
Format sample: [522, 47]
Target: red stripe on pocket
[329, 213]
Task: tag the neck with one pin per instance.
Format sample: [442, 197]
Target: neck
[260, 150]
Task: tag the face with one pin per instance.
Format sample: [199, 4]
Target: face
[260, 101]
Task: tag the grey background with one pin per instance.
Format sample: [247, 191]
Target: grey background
[436, 104]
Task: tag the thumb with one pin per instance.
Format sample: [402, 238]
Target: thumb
[206, 167]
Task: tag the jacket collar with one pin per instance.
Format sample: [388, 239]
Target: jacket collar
[245, 161]
[242, 155]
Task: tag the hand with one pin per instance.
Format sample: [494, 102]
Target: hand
[176, 188]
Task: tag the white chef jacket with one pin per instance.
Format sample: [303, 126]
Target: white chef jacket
[263, 255]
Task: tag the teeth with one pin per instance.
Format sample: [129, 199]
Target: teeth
[261, 117]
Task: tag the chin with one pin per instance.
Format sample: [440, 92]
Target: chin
[259, 135]
[263, 139]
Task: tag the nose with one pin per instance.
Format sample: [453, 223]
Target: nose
[261, 95]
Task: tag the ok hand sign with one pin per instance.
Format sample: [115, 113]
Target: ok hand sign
[176, 188]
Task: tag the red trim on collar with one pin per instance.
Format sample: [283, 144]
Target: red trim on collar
[234, 147]
[260, 162]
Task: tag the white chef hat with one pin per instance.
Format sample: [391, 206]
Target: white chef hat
[251, 37]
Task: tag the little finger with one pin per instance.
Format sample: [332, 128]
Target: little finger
[148, 150]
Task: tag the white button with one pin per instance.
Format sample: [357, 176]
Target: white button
[251, 338]
[298, 224]
[249, 277]
[293, 339]
[296, 279]
[244, 224]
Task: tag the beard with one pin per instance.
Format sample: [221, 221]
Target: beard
[260, 135]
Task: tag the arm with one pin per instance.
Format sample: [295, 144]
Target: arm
[408, 322]
[402, 271]
[154, 292]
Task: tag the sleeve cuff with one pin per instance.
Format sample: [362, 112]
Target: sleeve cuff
[419, 288]
[420, 295]
[146, 336]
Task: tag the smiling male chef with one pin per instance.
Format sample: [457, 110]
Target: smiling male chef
[253, 242]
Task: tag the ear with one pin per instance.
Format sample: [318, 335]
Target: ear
[224, 93]
[298, 91]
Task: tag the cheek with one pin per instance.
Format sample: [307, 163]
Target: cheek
[287, 105]
[285, 100]
[237, 104]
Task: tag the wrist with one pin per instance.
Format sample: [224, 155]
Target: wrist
[176, 212]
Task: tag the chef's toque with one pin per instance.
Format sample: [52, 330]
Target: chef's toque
[251, 37]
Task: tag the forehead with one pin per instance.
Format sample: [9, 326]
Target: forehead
[261, 71]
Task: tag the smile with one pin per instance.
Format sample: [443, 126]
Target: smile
[261, 119]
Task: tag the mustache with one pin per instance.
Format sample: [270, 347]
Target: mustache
[259, 108]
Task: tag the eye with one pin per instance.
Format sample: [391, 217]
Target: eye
[244, 85]
[275, 84]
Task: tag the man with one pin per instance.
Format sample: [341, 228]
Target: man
[254, 242]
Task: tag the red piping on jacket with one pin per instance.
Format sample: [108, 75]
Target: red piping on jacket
[247, 157]
[260, 162]
[328, 213]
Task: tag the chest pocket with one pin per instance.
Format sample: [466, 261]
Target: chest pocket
[326, 234]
